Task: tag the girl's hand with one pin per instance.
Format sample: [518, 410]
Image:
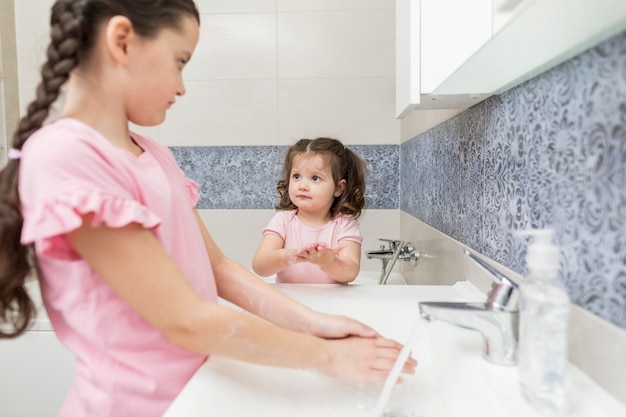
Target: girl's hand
[342, 263]
[357, 359]
[330, 326]
[317, 253]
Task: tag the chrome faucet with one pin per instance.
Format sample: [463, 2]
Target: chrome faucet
[497, 319]
[397, 249]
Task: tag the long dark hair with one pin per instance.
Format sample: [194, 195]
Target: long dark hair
[345, 164]
[74, 26]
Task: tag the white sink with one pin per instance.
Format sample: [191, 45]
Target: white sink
[452, 378]
[364, 278]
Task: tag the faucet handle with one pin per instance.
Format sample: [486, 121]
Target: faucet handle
[504, 292]
[394, 245]
[409, 253]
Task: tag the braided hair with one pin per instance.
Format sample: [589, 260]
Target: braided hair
[345, 165]
[74, 25]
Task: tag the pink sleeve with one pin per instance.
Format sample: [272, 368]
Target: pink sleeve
[350, 230]
[61, 183]
[192, 190]
[277, 226]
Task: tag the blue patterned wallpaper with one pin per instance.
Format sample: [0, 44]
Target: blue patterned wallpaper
[245, 177]
[549, 153]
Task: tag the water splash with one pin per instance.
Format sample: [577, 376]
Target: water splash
[420, 325]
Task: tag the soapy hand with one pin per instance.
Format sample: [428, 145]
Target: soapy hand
[318, 253]
[330, 326]
[361, 354]
[359, 359]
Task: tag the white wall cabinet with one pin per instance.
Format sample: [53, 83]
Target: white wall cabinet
[433, 39]
[455, 53]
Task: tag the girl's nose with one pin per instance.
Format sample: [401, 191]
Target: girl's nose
[180, 91]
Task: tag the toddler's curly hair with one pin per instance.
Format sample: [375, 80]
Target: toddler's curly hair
[345, 165]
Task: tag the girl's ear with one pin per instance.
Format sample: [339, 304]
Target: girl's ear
[118, 36]
[340, 187]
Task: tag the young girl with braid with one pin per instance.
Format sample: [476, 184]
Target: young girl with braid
[129, 274]
[314, 238]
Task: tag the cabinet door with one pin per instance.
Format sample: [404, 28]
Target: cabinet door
[407, 56]
[451, 32]
[433, 39]
[537, 35]
[35, 375]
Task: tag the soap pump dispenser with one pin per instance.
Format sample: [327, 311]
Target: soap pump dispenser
[544, 321]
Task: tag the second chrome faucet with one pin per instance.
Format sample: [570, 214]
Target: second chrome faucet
[397, 249]
[497, 319]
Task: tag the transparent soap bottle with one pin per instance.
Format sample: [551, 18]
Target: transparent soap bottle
[543, 332]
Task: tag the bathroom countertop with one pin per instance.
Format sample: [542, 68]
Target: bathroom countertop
[452, 379]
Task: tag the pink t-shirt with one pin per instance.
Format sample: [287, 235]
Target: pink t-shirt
[295, 234]
[124, 366]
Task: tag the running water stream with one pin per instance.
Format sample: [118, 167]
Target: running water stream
[420, 325]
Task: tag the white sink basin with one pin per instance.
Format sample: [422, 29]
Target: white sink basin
[364, 278]
[452, 378]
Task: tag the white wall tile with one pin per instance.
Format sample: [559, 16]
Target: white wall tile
[336, 44]
[225, 113]
[4, 134]
[235, 6]
[308, 5]
[24, 8]
[8, 53]
[6, 7]
[26, 95]
[32, 8]
[11, 107]
[354, 110]
[235, 46]
[42, 8]
[31, 54]
[237, 232]
[28, 54]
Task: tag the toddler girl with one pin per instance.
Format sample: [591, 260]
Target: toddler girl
[314, 238]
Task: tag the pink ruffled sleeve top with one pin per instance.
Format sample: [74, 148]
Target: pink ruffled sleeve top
[124, 366]
[295, 234]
